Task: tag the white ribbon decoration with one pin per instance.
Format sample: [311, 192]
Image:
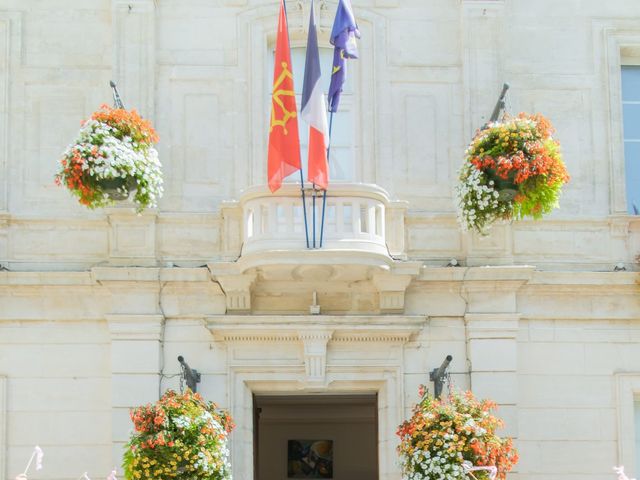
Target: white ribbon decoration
[620, 472]
[39, 455]
[468, 468]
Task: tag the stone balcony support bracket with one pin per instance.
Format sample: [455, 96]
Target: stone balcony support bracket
[392, 285]
[237, 289]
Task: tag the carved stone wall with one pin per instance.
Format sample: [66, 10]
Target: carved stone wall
[201, 72]
[96, 305]
[552, 348]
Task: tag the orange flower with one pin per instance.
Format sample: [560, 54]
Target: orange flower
[128, 121]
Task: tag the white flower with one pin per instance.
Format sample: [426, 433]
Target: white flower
[107, 157]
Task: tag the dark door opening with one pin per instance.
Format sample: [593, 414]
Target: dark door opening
[316, 436]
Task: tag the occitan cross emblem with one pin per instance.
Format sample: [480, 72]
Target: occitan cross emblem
[278, 93]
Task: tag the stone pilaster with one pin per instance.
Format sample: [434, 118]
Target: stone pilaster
[621, 250]
[491, 326]
[135, 369]
[3, 427]
[10, 51]
[232, 229]
[4, 239]
[492, 353]
[135, 325]
[395, 228]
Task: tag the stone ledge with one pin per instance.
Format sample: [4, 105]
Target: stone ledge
[125, 274]
[45, 278]
[584, 278]
[584, 318]
[185, 274]
[470, 274]
[324, 256]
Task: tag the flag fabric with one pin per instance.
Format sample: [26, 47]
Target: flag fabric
[343, 38]
[284, 143]
[314, 111]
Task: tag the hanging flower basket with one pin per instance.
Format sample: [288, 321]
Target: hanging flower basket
[513, 169]
[450, 440]
[181, 437]
[113, 159]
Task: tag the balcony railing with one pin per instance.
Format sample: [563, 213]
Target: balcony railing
[358, 218]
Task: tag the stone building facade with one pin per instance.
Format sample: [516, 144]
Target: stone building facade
[95, 306]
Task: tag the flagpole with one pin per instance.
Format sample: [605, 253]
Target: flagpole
[304, 208]
[324, 194]
[314, 214]
[304, 201]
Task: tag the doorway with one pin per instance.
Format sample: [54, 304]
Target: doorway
[316, 436]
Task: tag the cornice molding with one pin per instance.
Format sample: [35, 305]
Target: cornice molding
[301, 328]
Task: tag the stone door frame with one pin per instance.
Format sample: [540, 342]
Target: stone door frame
[385, 381]
[305, 354]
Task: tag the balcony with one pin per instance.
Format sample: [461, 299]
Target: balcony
[361, 222]
[363, 244]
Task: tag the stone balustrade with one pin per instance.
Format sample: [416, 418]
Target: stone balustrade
[358, 218]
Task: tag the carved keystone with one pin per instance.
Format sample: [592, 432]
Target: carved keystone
[315, 354]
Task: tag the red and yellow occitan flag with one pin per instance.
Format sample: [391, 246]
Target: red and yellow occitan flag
[284, 143]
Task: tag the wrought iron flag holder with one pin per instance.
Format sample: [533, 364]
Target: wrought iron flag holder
[188, 375]
[500, 105]
[117, 101]
[438, 375]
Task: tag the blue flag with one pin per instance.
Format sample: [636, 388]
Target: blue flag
[343, 37]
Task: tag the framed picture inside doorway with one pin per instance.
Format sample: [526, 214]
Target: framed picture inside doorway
[310, 459]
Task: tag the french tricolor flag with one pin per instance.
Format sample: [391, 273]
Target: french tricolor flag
[314, 111]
